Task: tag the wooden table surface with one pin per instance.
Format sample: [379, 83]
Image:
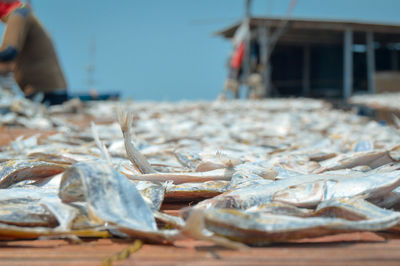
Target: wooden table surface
[369, 249]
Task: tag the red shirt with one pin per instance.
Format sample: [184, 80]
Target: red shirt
[237, 58]
[7, 8]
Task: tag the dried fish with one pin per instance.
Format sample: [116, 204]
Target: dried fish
[14, 171]
[111, 198]
[134, 155]
[175, 221]
[195, 228]
[152, 193]
[311, 194]
[256, 164]
[281, 209]
[10, 232]
[26, 212]
[252, 190]
[188, 159]
[179, 178]
[373, 159]
[195, 191]
[258, 228]
[354, 209]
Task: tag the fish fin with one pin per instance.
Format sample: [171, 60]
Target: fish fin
[103, 149]
[168, 184]
[396, 120]
[195, 228]
[228, 162]
[394, 153]
[123, 119]
[137, 159]
[223, 159]
[359, 197]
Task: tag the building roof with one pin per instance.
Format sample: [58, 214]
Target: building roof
[321, 30]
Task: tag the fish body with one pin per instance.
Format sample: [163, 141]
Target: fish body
[262, 228]
[310, 194]
[353, 209]
[110, 196]
[186, 177]
[14, 171]
[195, 191]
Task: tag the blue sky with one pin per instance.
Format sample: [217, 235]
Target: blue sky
[164, 49]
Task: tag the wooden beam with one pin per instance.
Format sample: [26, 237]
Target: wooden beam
[348, 63]
[248, 8]
[315, 27]
[370, 62]
[329, 25]
[246, 61]
[264, 34]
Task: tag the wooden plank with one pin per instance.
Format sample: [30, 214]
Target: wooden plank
[61, 252]
[348, 63]
[265, 50]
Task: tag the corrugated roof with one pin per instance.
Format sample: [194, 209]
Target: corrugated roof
[322, 30]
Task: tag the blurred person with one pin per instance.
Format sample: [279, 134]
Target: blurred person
[256, 87]
[236, 60]
[232, 83]
[28, 53]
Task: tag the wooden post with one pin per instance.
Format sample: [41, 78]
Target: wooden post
[306, 71]
[395, 62]
[348, 63]
[370, 62]
[264, 35]
[246, 62]
[247, 8]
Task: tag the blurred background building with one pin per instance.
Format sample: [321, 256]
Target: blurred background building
[318, 57]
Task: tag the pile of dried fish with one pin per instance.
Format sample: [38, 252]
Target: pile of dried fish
[18, 111]
[253, 172]
[380, 101]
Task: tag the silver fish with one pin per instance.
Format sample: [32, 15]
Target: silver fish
[51, 158]
[242, 179]
[175, 221]
[10, 232]
[14, 171]
[312, 193]
[134, 155]
[254, 192]
[26, 212]
[111, 197]
[152, 193]
[37, 207]
[281, 209]
[389, 201]
[373, 159]
[195, 191]
[208, 166]
[179, 178]
[189, 159]
[354, 209]
[261, 228]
